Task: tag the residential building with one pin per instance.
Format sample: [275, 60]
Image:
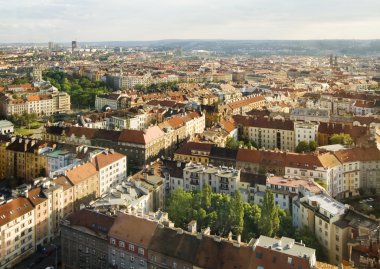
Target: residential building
[128, 246]
[319, 213]
[361, 169]
[6, 127]
[41, 214]
[305, 131]
[85, 181]
[17, 228]
[267, 133]
[44, 100]
[220, 179]
[310, 114]
[26, 159]
[194, 152]
[112, 168]
[84, 240]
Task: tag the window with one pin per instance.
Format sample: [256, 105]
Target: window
[113, 241]
[259, 255]
[142, 262]
[131, 247]
[132, 259]
[141, 251]
[121, 244]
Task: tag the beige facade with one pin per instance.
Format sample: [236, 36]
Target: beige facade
[17, 222]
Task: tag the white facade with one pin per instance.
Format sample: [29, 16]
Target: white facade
[305, 131]
[112, 169]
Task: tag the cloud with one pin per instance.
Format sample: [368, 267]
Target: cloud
[92, 20]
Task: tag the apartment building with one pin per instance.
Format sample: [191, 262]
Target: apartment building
[305, 131]
[309, 114]
[112, 168]
[26, 158]
[17, 228]
[241, 105]
[4, 142]
[267, 133]
[141, 147]
[285, 188]
[319, 213]
[193, 151]
[128, 246]
[41, 214]
[85, 181]
[324, 167]
[361, 169]
[156, 243]
[43, 102]
[84, 240]
[220, 179]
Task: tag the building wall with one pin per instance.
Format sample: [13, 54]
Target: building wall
[17, 240]
[83, 250]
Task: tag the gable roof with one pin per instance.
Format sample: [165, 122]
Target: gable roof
[14, 209]
[81, 173]
[106, 158]
[133, 229]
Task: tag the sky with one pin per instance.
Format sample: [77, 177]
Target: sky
[139, 20]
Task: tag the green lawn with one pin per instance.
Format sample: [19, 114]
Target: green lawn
[24, 131]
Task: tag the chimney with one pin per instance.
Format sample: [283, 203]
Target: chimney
[192, 226]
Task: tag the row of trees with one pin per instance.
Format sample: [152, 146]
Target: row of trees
[25, 119]
[158, 87]
[82, 90]
[224, 214]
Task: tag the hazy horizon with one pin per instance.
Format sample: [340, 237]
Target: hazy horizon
[40, 21]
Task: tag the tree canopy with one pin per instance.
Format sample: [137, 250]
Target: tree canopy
[344, 139]
[304, 146]
[82, 90]
[224, 213]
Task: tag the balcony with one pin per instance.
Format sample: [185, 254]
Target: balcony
[224, 187]
[194, 181]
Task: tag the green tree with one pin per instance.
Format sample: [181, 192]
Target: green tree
[237, 214]
[269, 222]
[308, 238]
[313, 145]
[286, 224]
[344, 139]
[303, 146]
[232, 143]
[206, 197]
[252, 215]
[180, 207]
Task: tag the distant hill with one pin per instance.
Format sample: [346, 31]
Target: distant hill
[261, 47]
[256, 47]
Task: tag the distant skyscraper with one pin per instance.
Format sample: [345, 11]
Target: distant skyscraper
[331, 60]
[74, 45]
[336, 61]
[51, 45]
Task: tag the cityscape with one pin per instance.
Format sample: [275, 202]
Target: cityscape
[194, 147]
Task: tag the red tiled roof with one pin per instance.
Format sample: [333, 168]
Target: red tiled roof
[14, 209]
[81, 173]
[106, 158]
